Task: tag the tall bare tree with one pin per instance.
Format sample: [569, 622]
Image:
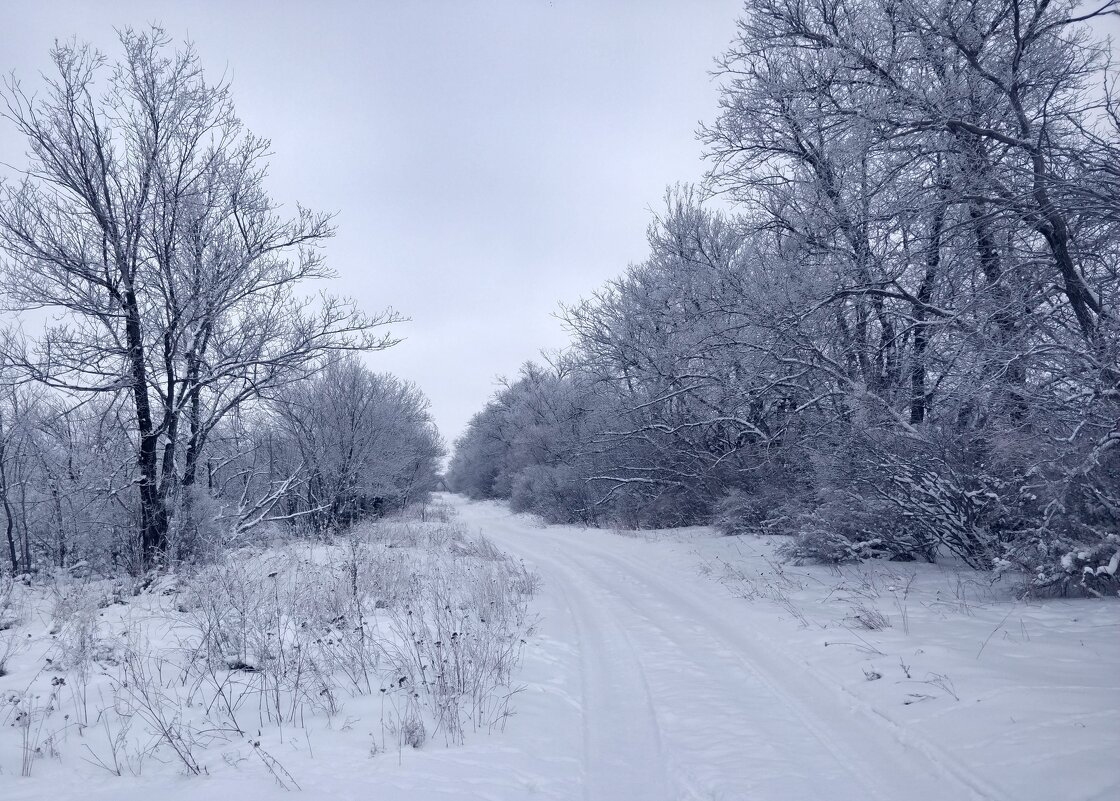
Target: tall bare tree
[142, 223]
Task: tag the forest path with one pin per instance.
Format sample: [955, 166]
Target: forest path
[673, 699]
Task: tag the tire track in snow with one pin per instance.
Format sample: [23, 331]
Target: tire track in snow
[619, 763]
[806, 737]
[801, 774]
[915, 767]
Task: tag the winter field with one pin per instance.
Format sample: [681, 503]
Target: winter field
[671, 664]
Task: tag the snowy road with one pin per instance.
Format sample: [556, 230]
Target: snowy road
[673, 699]
[646, 681]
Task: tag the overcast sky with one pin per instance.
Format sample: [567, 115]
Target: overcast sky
[487, 160]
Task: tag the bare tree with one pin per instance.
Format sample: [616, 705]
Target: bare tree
[143, 224]
[365, 440]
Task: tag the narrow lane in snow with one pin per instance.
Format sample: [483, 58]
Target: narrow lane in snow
[679, 702]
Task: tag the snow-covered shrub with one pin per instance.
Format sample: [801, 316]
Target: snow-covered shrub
[1068, 564]
[479, 548]
[869, 617]
[554, 492]
[637, 507]
[739, 513]
[849, 528]
[204, 530]
[9, 647]
[413, 733]
[79, 643]
[815, 543]
[10, 607]
[224, 601]
[940, 506]
[766, 509]
[1063, 520]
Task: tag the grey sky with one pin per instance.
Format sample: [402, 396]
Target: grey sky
[487, 160]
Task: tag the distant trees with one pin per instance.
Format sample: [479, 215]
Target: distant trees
[533, 443]
[903, 337]
[143, 227]
[64, 475]
[364, 441]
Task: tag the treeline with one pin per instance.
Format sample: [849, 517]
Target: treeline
[893, 332]
[185, 390]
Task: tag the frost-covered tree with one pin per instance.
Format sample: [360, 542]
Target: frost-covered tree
[899, 335]
[920, 158]
[536, 443]
[364, 442]
[143, 225]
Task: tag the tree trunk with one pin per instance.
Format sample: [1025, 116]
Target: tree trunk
[1005, 317]
[919, 394]
[153, 514]
[9, 522]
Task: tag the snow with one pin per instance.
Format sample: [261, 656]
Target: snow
[684, 665]
[711, 670]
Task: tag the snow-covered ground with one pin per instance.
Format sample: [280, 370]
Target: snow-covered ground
[882, 681]
[683, 665]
